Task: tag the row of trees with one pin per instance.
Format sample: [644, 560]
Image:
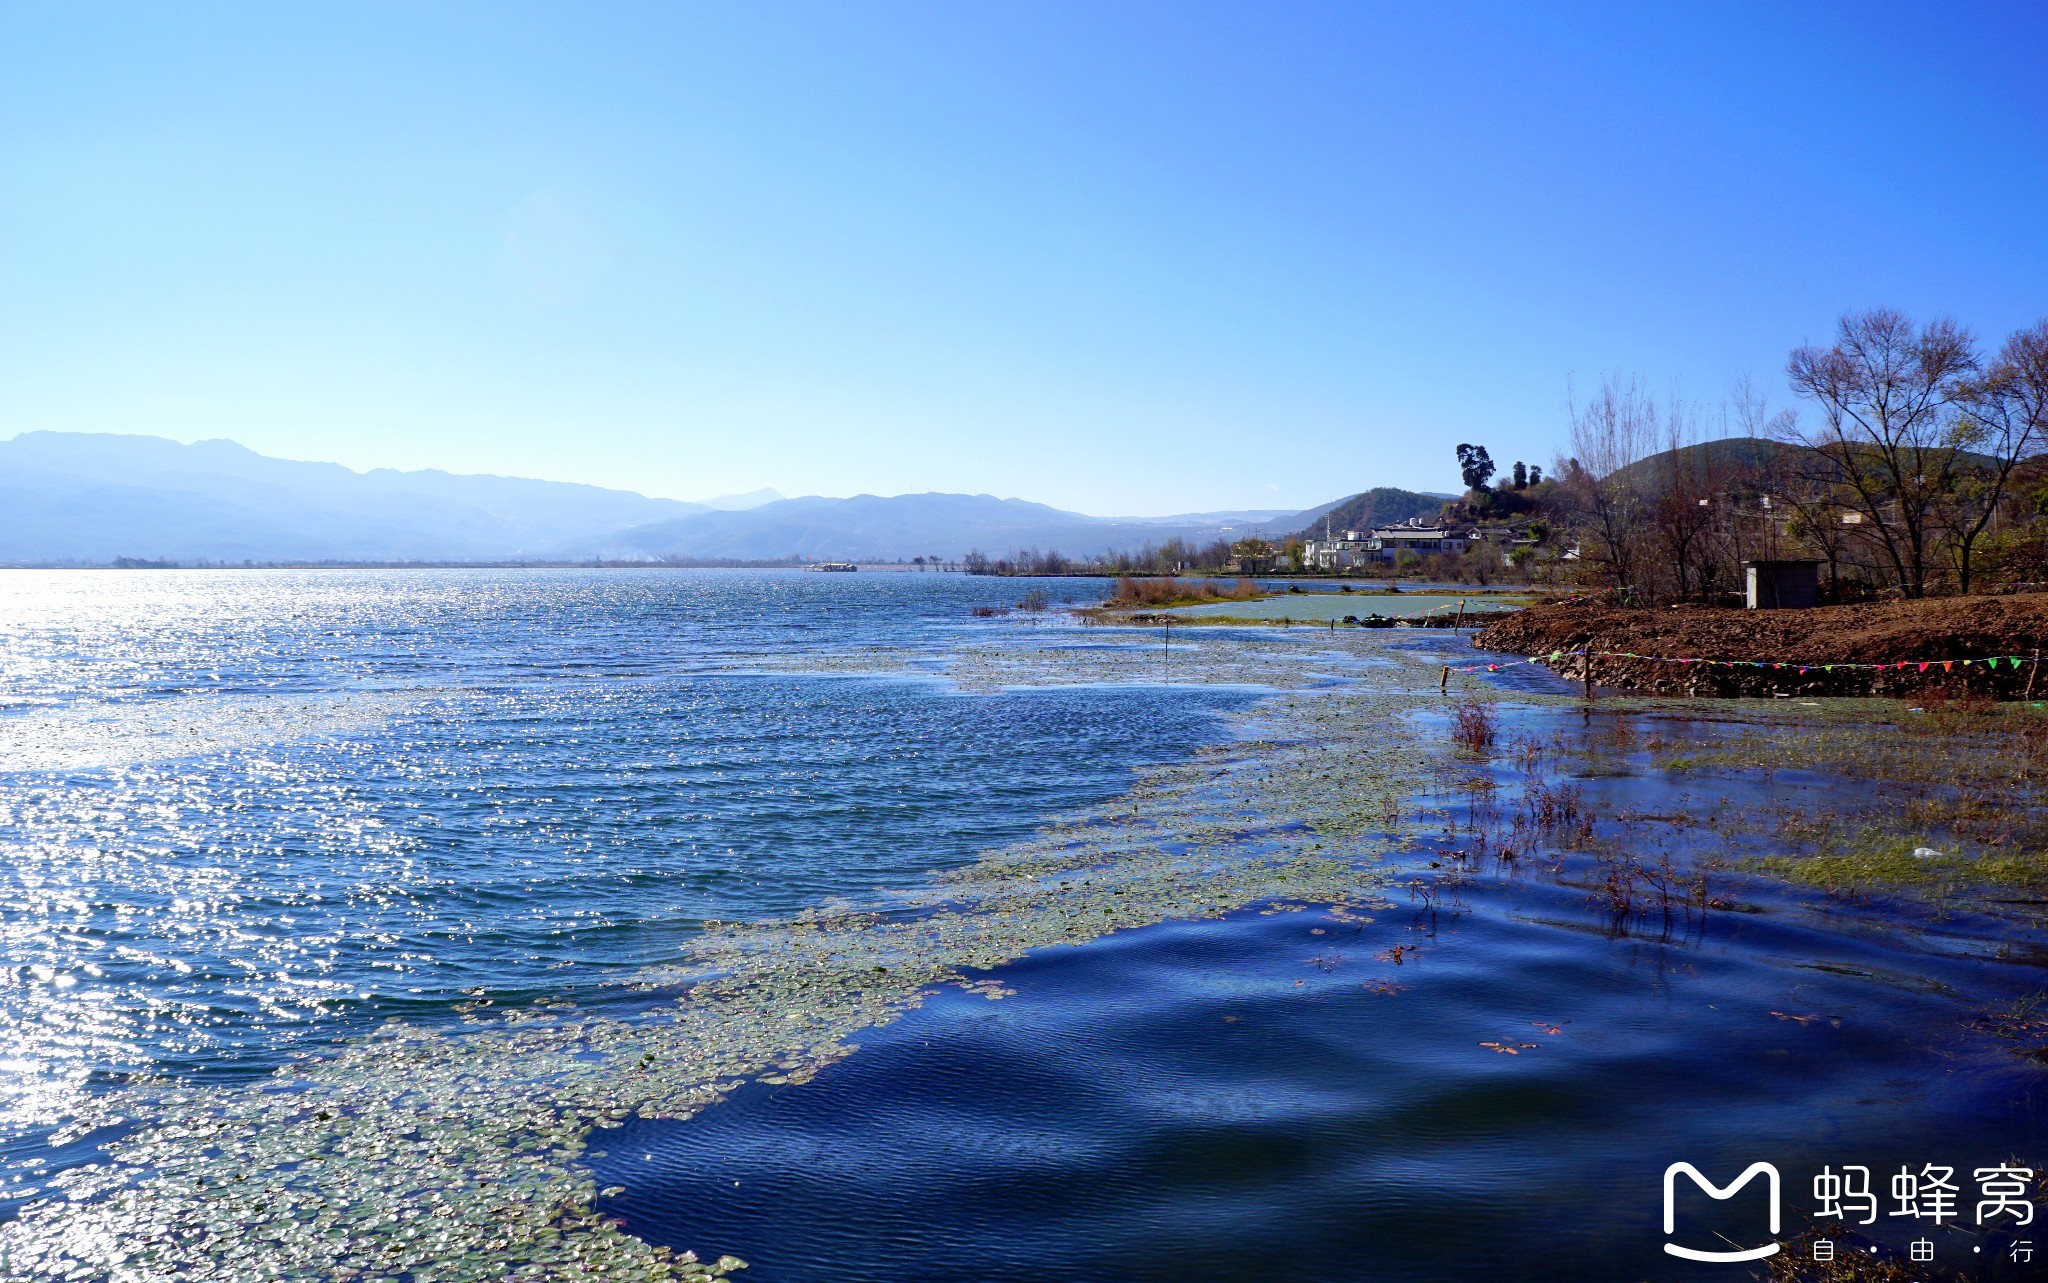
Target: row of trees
[1475, 465]
[1250, 555]
[1174, 556]
[1921, 469]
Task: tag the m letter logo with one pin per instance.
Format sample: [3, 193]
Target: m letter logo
[1714, 1191]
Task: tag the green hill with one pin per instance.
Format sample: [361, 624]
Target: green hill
[1756, 456]
[1708, 458]
[1379, 506]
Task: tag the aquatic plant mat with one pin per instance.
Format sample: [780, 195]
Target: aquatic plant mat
[467, 1152]
[1943, 801]
[435, 1153]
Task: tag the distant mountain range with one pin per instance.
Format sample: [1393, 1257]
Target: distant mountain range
[72, 497]
[92, 498]
[741, 502]
[876, 528]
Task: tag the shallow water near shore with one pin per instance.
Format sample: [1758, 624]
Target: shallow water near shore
[1049, 981]
[1229, 1098]
[1486, 1078]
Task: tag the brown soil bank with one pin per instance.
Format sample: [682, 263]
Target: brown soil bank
[1885, 648]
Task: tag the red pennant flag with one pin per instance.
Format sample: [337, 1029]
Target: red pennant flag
[1948, 665]
[1923, 665]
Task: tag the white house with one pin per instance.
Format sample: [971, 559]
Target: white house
[1388, 542]
[1337, 551]
[1382, 545]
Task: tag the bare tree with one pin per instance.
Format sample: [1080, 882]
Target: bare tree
[2004, 420]
[1681, 507]
[1889, 396]
[1614, 429]
[1790, 494]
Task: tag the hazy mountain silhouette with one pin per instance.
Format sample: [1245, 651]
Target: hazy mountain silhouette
[741, 502]
[873, 527]
[91, 497]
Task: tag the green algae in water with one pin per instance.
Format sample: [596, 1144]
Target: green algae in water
[435, 1155]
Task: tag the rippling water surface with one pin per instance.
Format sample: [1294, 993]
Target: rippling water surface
[246, 812]
[246, 817]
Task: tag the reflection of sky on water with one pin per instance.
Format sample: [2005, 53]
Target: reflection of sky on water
[1272, 1095]
[502, 815]
[242, 813]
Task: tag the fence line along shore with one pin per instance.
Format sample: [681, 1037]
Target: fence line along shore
[1978, 646]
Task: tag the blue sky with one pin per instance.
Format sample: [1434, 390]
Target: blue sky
[1120, 257]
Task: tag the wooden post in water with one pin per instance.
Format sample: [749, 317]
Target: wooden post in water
[1461, 614]
[1443, 685]
[1586, 673]
[2035, 672]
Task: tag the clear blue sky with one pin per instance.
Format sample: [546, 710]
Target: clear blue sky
[1121, 257]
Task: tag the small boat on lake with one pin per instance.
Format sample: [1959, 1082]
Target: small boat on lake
[832, 565]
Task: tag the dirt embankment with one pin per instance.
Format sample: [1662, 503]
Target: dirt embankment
[1886, 648]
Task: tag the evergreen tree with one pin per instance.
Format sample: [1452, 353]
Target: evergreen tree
[1476, 465]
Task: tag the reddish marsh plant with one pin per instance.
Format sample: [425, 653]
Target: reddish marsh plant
[1472, 726]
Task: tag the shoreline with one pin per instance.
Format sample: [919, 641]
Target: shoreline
[1983, 646]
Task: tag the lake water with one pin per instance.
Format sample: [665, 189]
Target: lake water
[241, 813]
[247, 819]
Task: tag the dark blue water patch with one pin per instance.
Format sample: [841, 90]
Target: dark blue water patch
[1271, 1096]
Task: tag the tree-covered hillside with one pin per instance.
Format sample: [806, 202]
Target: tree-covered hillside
[1379, 506]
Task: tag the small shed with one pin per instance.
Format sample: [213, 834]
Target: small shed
[1781, 585]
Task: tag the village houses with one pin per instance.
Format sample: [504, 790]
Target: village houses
[1383, 545]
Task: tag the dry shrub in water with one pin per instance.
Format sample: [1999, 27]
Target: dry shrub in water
[1952, 712]
[1472, 726]
[1554, 806]
[1169, 592]
[1619, 735]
